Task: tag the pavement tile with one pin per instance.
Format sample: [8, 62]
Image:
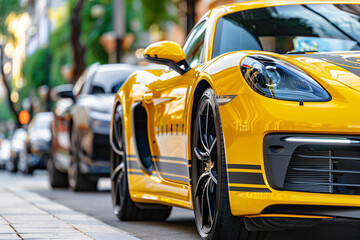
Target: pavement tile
[35, 217]
[6, 229]
[45, 230]
[9, 236]
[39, 224]
[54, 235]
[25, 218]
[2, 221]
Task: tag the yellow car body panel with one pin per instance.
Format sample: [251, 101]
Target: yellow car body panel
[245, 121]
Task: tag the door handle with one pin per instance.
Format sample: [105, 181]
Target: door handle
[148, 96]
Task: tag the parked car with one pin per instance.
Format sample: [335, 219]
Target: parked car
[249, 127]
[81, 127]
[5, 149]
[59, 161]
[17, 149]
[37, 143]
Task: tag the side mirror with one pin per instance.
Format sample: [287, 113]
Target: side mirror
[64, 91]
[167, 53]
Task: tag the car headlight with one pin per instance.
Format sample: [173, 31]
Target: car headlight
[99, 120]
[275, 78]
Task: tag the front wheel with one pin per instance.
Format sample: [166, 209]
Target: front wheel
[209, 179]
[124, 208]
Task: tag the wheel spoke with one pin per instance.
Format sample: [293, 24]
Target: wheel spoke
[206, 125]
[202, 156]
[210, 199]
[116, 150]
[202, 134]
[116, 193]
[201, 182]
[121, 184]
[213, 174]
[212, 146]
[118, 132]
[205, 201]
[116, 127]
[117, 170]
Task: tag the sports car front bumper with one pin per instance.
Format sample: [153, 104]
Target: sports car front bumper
[269, 175]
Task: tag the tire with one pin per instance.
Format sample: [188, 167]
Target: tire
[57, 179]
[209, 179]
[124, 208]
[24, 165]
[12, 165]
[76, 179]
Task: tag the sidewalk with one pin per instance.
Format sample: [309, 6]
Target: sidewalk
[27, 215]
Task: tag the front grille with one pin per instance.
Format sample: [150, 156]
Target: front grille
[324, 169]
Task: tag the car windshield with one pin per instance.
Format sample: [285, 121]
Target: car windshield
[294, 28]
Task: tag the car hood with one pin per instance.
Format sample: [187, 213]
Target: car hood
[343, 67]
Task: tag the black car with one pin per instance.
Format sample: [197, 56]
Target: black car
[81, 127]
[37, 143]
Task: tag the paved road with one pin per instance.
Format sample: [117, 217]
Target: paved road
[180, 225]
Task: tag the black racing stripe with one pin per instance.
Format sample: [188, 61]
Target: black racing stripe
[177, 178]
[133, 165]
[349, 63]
[136, 173]
[170, 158]
[174, 168]
[164, 157]
[244, 166]
[247, 189]
[246, 178]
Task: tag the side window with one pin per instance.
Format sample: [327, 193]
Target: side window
[194, 45]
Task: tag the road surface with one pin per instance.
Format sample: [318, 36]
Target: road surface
[180, 224]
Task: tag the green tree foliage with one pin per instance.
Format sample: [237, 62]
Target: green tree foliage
[157, 12]
[60, 46]
[7, 7]
[34, 70]
[60, 49]
[93, 27]
[148, 12]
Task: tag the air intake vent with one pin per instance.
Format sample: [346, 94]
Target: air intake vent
[324, 169]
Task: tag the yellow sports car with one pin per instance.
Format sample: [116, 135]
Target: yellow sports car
[255, 124]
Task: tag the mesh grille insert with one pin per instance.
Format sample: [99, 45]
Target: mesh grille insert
[324, 169]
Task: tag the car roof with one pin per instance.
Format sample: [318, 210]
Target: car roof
[119, 71]
[235, 7]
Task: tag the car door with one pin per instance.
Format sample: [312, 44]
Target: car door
[168, 141]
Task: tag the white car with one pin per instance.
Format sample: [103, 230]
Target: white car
[5, 148]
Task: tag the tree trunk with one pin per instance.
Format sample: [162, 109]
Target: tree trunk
[78, 47]
[8, 91]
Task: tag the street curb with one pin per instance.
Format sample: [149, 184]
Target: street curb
[87, 225]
